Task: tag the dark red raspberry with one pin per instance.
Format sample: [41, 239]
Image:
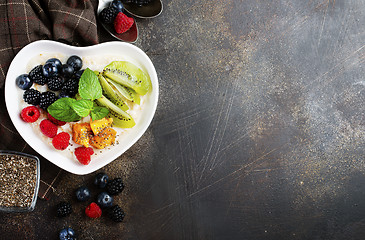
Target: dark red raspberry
[122, 23]
[61, 141]
[55, 121]
[30, 114]
[83, 154]
[48, 128]
[93, 210]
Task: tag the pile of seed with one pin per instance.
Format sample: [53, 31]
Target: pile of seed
[18, 176]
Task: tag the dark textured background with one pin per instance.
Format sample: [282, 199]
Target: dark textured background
[259, 131]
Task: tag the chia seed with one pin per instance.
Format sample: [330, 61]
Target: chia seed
[18, 180]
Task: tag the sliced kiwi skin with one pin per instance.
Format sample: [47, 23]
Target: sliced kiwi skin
[120, 121]
[110, 93]
[120, 118]
[128, 75]
[125, 92]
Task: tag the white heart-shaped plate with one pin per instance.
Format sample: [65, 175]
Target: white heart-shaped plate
[119, 51]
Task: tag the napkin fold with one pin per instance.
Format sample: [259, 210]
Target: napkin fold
[25, 21]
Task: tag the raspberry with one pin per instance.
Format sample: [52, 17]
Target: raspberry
[93, 210]
[122, 23]
[83, 154]
[48, 128]
[30, 114]
[55, 121]
[61, 141]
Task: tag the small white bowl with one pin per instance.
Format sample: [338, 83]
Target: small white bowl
[13, 99]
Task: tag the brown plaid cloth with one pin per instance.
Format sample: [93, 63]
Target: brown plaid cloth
[22, 22]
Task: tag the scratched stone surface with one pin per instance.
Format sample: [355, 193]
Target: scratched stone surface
[259, 131]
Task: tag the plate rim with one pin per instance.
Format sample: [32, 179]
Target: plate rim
[43, 44]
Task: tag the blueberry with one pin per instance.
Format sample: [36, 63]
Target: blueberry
[67, 70]
[79, 73]
[82, 194]
[101, 179]
[55, 61]
[63, 94]
[117, 4]
[104, 200]
[49, 69]
[75, 62]
[67, 234]
[23, 81]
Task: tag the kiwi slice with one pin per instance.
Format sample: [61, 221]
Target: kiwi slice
[120, 118]
[129, 75]
[109, 92]
[126, 92]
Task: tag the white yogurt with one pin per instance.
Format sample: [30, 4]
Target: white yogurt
[95, 63]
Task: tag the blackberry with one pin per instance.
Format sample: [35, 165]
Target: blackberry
[32, 96]
[107, 15]
[71, 87]
[36, 74]
[115, 186]
[55, 83]
[116, 214]
[47, 98]
[63, 209]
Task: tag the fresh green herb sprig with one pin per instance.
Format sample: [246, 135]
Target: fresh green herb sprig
[70, 109]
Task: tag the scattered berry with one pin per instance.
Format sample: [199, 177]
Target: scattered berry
[82, 194]
[104, 200]
[63, 209]
[48, 128]
[101, 179]
[75, 62]
[36, 75]
[47, 98]
[23, 81]
[116, 214]
[115, 186]
[107, 15]
[55, 121]
[30, 114]
[83, 154]
[55, 83]
[49, 69]
[122, 23]
[93, 210]
[32, 96]
[67, 234]
[61, 141]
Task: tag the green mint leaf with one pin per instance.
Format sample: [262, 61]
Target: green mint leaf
[82, 107]
[98, 113]
[89, 86]
[62, 110]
